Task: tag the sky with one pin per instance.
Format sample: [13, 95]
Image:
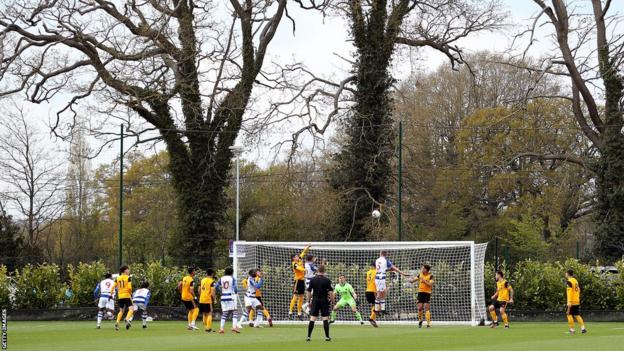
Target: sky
[318, 42]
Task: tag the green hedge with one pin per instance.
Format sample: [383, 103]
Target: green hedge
[537, 285]
[541, 285]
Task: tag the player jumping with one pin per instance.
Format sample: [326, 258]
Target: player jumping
[382, 264]
[187, 293]
[104, 295]
[140, 301]
[124, 295]
[502, 297]
[573, 293]
[347, 297]
[227, 287]
[299, 283]
[425, 286]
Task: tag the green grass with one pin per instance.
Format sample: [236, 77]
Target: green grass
[160, 336]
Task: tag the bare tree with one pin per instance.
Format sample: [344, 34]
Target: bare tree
[32, 174]
[590, 53]
[186, 75]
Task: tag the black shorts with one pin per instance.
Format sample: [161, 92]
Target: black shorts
[499, 304]
[205, 307]
[574, 310]
[370, 297]
[189, 305]
[423, 297]
[299, 287]
[123, 303]
[319, 306]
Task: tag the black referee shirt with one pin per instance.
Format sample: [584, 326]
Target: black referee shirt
[320, 286]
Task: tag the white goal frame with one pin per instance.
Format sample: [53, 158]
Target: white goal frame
[476, 276]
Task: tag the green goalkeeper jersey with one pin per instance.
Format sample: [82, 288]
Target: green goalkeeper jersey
[345, 291]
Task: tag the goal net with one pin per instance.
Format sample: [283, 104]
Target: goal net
[457, 269]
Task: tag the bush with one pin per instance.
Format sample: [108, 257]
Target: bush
[163, 284]
[38, 286]
[537, 285]
[84, 278]
[5, 290]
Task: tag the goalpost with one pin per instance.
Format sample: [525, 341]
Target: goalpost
[457, 266]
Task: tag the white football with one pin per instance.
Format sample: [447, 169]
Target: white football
[376, 214]
[306, 308]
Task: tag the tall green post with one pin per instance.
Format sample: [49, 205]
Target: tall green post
[121, 188]
[400, 192]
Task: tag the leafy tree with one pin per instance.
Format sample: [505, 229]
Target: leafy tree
[590, 53]
[363, 167]
[10, 241]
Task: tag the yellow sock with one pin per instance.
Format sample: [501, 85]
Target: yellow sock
[299, 303]
[194, 314]
[494, 317]
[189, 317]
[266, 313]
[129, 315]
[252, 314]
[428, 317]
[204, 320]
[373, 315]
[570, 321]
[119, 315]
[505, 320]
[293, 301]
[209, 322]
[419, 316]
[580, 321]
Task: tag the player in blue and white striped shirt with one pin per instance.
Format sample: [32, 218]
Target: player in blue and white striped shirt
[227, 287]
[105, 297]
[140, 301]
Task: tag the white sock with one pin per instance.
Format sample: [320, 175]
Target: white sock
[234, 322]
[223, 318]
[259, 316]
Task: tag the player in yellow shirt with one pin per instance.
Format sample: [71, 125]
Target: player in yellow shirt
[265, 310]
[502, 297]
[187, 292]
[123, 284]
[206, 298]
[573, 294]
[298, 268]
[371, 291]
[425, 288]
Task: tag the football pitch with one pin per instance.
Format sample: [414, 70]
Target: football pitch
[160, 336]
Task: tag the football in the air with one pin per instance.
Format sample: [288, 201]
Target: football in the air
[376, 214]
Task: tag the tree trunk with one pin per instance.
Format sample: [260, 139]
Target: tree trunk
[364, 166]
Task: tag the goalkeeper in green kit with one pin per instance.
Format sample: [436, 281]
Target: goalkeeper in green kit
[347, 297]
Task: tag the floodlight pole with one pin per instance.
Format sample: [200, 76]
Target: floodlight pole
[121, 189]
[400, 192]
[237, 151]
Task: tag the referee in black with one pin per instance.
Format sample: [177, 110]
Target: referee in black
[322, 292]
